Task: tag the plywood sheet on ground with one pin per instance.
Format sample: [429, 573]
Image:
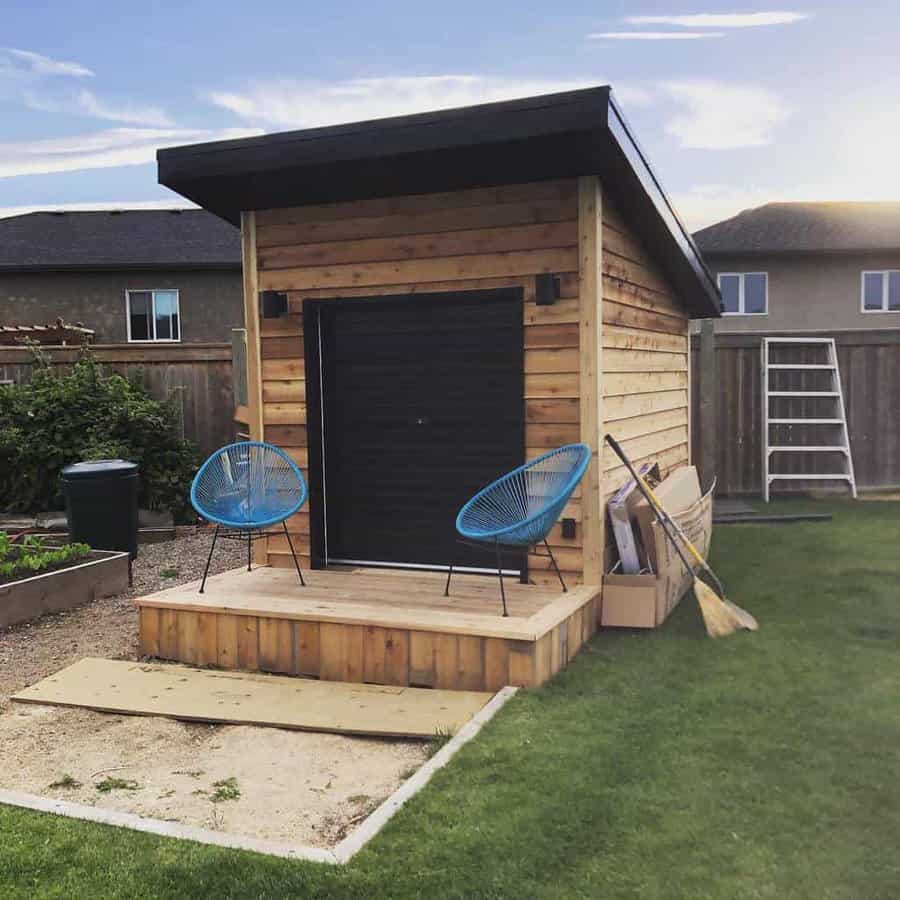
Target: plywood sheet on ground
[181, 692]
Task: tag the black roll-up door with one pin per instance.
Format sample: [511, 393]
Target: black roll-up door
[423, 405]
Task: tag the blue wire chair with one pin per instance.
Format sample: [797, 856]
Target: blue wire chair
[245, 488]
[519, 509]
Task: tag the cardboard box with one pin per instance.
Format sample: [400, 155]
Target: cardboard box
[621, 516]
[632, 601]
[646, 601]
[677, 493]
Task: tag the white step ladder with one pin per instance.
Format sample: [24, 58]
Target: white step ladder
[772, 390]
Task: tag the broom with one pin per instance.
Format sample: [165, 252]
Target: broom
[720, 616]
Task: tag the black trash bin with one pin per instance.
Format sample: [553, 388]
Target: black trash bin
[101, 503]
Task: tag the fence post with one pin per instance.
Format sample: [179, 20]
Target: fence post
[707, 410]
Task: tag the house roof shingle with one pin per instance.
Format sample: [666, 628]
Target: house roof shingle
[139, 238]
[830, 227]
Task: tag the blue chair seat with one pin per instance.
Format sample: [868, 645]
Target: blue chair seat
[519, 509]
[247, 487]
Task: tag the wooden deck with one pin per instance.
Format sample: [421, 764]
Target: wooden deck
[375, 626]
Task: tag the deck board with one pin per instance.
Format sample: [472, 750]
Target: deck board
[371, 626]
[179, 692]
[360, 597]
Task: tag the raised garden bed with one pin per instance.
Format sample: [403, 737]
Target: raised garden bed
[101, 573]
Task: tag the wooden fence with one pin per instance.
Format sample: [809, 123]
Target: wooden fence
[725, 415]
[197, 376]
[727, 411]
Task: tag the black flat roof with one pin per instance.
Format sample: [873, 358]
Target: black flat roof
[535, 139]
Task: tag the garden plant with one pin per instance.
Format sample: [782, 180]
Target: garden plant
[65, 416]
[33, 556]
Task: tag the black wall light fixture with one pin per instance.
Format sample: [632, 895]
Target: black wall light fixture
[568, 529]
[273, 304]
[546, 290]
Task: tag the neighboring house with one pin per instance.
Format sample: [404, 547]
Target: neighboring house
[138, 276]
[807, 267]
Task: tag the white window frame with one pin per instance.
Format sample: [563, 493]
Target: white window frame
[885, 280]
[742, 276]
[152, 292]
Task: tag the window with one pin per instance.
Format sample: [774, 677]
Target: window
[744, 293]
[881, 291]
[152, 315]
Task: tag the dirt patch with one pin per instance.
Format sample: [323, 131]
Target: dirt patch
[287, 786]
[107, 628]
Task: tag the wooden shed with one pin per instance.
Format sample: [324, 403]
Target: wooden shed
[431, 300]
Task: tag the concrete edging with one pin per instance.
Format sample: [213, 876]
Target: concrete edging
[340, 855]
[375, 821]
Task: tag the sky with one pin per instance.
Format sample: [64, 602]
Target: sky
[736, 105]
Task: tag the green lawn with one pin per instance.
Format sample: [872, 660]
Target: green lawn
[658, 765]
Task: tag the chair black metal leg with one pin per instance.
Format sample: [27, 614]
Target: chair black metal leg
[287, 534]
[250, 550]
[556, 567]
[447, 585]
[500, 576]
[209, 559]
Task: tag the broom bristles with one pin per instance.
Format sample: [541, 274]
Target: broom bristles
[720, 616]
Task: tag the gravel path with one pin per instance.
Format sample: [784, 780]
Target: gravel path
[107, 628]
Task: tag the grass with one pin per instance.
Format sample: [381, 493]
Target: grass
[116, 784]
[438, 740]
[226, 789]
[659, 765]
[65, 781]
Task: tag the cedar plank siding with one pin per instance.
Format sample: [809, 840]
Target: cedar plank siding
[646, 380]
[482, 239]
[461, 240]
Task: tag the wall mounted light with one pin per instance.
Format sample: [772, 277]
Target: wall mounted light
[568, 529]
[273, 304]
[546, 290]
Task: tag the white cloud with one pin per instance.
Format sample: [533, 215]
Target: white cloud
[174, 203]
[26, 77]
[44, 65]
[86, 103]
[654, 35]
[100, 150]
[305, 104]
[720, 116]
[705, 204]
[721, 20]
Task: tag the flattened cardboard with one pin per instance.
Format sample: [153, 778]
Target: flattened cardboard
[646, 601]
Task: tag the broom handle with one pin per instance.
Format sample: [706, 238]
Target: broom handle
[666, 519]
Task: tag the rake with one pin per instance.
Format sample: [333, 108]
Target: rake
[720, 616]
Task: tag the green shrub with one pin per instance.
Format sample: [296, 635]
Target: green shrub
[62, 417]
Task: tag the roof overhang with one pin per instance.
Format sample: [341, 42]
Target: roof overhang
[536, 139]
